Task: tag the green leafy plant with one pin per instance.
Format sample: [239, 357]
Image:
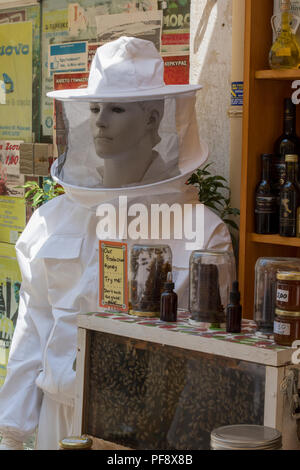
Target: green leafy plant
[214, 192]
[35, 195]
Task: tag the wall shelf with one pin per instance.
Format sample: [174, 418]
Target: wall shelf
[274, 240]
[277, 74]
[264, 94]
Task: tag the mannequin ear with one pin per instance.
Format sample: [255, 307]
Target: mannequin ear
[153, 119]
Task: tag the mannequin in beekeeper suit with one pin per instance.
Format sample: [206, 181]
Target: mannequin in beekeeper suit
[128, 135]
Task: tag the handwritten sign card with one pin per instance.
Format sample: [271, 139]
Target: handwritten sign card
[113, 289]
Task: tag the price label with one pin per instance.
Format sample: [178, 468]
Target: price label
[282, 295]
[283, 329]
[283, 52]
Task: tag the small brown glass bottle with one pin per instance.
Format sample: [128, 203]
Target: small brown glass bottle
[234, 311]
[168, 301]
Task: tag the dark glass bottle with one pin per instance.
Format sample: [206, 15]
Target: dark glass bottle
[289, 199]
[287, 144]
[168, 301]
[266, 212]
[234, 310]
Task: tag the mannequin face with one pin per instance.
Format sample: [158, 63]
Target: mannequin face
[117, 127]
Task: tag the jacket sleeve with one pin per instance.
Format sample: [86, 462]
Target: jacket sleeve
[20, 398]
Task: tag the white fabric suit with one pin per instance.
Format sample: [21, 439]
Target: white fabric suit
[58, 257]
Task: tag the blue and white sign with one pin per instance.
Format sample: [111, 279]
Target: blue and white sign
[237, 93]
[68, 57]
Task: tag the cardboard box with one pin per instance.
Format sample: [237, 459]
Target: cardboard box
[43, 154]
[26, 159]
[36, 159]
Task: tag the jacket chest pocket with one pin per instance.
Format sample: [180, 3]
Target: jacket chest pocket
[63, 269]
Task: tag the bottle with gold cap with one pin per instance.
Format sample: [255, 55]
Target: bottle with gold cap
[290, 199]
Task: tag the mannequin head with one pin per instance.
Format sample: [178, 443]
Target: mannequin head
[119, 128]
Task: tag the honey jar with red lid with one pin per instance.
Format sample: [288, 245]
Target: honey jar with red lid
[288, 290]
[286, 327]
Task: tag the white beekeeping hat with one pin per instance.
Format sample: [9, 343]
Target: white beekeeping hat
[125, 73]
[126, 69]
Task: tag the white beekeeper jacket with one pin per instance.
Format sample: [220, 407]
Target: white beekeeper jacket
[58, 255]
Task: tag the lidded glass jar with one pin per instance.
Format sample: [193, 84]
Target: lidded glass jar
[286, 327]
[211, 276]
[288, 290]
[76, 443]
[266, 270]
[245, 437]
[149, 267]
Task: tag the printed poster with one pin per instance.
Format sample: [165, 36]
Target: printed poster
[10, 283]
[77, 19]
[12, 16]
[68, 57]
[30, 13]
[237, 93]
[65, 21]
[55, 30]
[16, 87]
[92, 49]
[62, 81]
[176, 27]
[144, 25]
[12, 218]
[177, 69]
[10, 177]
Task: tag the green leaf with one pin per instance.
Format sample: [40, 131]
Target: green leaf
[221, 178]
[232, 211]
[29, 193]
[231, 223]
[37, 198]
[60, 190]
[211, 189]
[30, 183]
[212, 206]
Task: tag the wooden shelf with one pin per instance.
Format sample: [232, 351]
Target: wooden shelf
[265, 91]
[277, 74]
[274, 240]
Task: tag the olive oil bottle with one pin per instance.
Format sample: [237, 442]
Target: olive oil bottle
[284, 53]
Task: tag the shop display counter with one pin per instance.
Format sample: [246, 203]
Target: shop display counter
[145, 384]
